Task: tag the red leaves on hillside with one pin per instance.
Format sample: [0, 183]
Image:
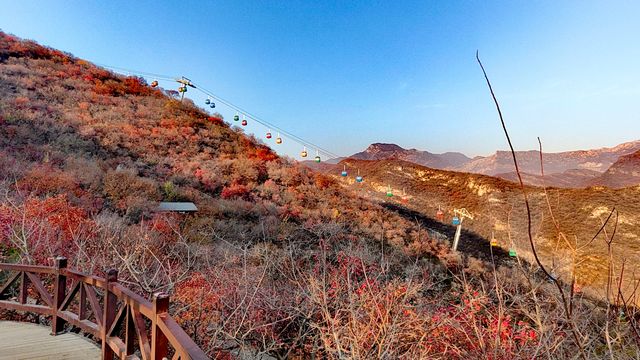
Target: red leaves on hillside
[322, 181]
[11, 46]
[262, 153]
[129, 86]
[21, 101]
[198, 290]
[235, 191]
[165, 224]
[475, 315]
[43, 180]
[215, 120]
[136, 86]
[41, 228]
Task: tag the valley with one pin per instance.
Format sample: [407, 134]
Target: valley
[499, 211]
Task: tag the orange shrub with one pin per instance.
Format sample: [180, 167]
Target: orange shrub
[235, 190]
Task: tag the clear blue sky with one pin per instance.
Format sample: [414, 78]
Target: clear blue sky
[344, 74]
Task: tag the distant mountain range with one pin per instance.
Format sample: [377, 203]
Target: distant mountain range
[380, 151]
[529, 161]
[569, 169]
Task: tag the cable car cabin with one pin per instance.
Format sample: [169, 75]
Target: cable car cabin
[440, 215]
[154, 83]
[182, 89]
[389, 193]
[303, 153]
[208, 101]
[213, 105]
[344, 171]
[268, 135]
[456, 221]
[244, 122]
[236, 117]
[317, 159]
[404, 199]
[359, 179]
[278, 140]
[494, 242]
[512, 252]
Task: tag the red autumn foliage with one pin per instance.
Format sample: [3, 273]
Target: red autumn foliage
[322, 181]
[215, 120]
[263, 154]
[44, 180]
[11, 46]
[128, 86]
[21, 101]
[234, 191]
[52, 222]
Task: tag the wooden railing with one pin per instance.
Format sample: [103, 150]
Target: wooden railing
[126, 323]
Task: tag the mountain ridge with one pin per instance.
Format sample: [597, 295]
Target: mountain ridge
[380, 151]
[571, 169]
[529, 160]
[623, 173]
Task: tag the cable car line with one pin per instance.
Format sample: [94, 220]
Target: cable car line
[184, 82]
[265, 123]
[136, 72]
[459, 214]
[223, 101]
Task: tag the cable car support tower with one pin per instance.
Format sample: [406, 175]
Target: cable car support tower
[183, 88]
[461, 214]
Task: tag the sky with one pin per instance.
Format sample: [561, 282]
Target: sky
[345, 74]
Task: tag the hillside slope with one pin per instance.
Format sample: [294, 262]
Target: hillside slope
[499, 209]
[574, 178]
[624, 172]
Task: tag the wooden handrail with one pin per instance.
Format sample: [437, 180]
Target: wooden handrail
[115, 308]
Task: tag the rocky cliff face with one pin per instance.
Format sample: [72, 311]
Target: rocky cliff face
[529, 161]
[624, 172]
[574, 178]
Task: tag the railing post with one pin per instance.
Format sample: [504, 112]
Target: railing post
[108, 313]
[24, 287]
[159, 343]
[59, 293]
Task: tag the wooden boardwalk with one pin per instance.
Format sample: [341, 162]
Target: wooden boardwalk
[31, 341]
